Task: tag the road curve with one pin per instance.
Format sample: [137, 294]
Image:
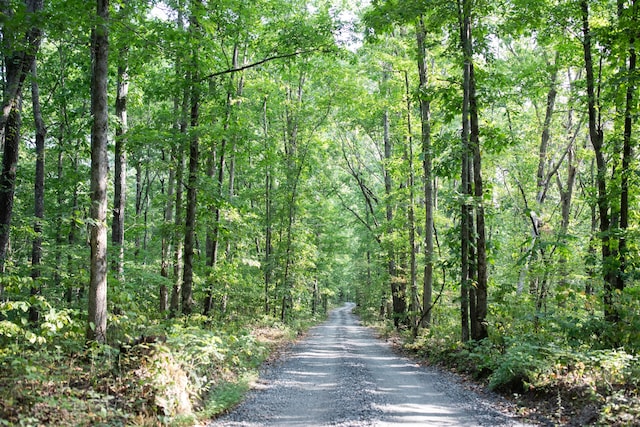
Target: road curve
[342, 375]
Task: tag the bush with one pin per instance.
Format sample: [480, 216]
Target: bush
[520, 368]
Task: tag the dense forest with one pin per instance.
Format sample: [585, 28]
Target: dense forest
[186, 183]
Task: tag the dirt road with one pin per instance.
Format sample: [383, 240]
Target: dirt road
[342, 375]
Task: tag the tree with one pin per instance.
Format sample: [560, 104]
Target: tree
[596, 135]
[19, 54]
[39, 182]
[398, 286]
[471, 178]
[97, 328]
[120, 164]
[613, 207]
[427, 172]
[628, 21]
[194, 154]
[180, 127]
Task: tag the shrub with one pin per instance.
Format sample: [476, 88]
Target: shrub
[520, 367]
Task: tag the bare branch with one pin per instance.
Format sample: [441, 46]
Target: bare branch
[265, 60]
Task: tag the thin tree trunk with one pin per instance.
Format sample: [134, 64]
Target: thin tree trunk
[166, 235]
[591, 261]
[213, 238]
[596, 135]
[148, 180]
[73, 233]
[97, 319]
[62, 139]
[120, 166]
[398, 300]
[427, 178]
[178, 255]
[294, 169]
[542, 179]
[268, 185]
[479, 314]
[391, 264]
[411, 222]
[36, 251]
[181, 109]
[627, 149]
[192, 180]
[190, 220]
[57, 277]
[465, 226]
[18, 64]
[566, 194]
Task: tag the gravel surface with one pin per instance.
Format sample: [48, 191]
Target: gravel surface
[342, 375]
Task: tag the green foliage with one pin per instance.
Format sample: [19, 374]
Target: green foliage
[17, 331]
[524, 366]
[303, 136]
[521, 367]
[226, 395]
[200, 371]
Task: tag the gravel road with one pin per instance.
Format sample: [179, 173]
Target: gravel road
[342, 375]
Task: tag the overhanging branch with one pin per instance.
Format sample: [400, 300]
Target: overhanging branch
[262, 61]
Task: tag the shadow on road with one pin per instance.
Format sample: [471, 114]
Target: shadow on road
[342, 375]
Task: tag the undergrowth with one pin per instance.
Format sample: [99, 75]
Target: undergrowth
[570, 386]
[554, 381]
[152, 372]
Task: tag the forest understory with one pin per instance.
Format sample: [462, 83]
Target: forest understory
[173, 374]
[183, 375]
[547, 386]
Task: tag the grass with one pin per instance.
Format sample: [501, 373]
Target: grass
[227, 395]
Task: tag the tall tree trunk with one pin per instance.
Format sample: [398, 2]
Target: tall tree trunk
[627, 148]
[36, 251]
[192, 180]
[543, 179]
[566, 194]
[148, 180]
[72, 237]
[287, 280]
[18, 61]
[213, 237]
[592, 250]
[178, 254]
[57, 277]
[166, 234]
[120, 166]
[466, 209]
[8, 179]
[97, 319]
[427, 176]
[268, 185]
[181, 112]
[391, 263]
[190, 220]
[411, 222]
[295, 164]
[596, 135]
[399, 304]
[479, 314]
[62, 138]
